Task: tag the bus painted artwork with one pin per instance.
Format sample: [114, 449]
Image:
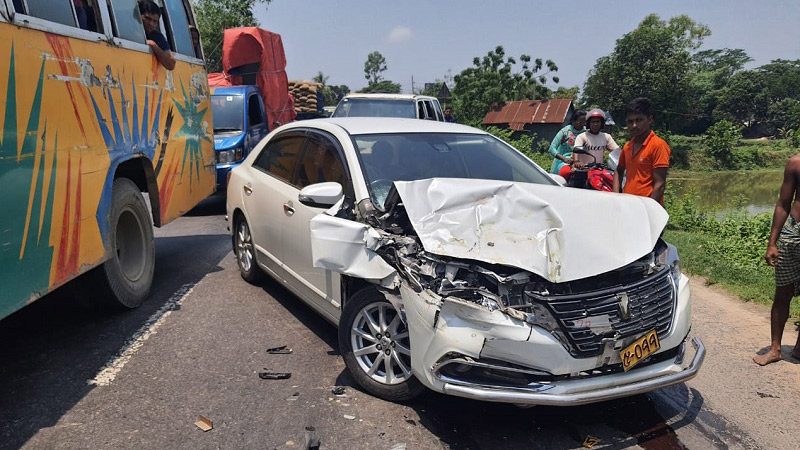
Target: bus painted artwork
[90, 124]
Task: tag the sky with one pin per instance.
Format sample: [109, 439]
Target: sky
[427, 41]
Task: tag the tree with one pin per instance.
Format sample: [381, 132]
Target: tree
[384, 87]
[568, 93]
[492, 81]
[374, 66]
[333, 94]
[712, 70]
[213, 17]
[745, 99]
[321, 78]
[654, 61]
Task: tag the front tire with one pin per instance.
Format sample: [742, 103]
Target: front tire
[125, 279]
[375, 345]
[245, 252]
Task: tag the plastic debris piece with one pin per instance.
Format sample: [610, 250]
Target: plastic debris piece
[349, 417]
[338, 390]
[274, 375]
[282, 350]
[401, 446]
[312, 441]
[590, 441]
[204, 423]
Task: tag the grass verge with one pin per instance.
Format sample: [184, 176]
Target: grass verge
[755, 284]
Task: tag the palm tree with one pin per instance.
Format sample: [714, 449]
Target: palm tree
[321, 78]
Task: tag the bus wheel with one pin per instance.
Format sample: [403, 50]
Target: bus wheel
[128, 273]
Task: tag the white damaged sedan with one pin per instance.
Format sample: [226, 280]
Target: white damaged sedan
[450, 261]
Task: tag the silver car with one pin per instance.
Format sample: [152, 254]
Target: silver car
[449, 260]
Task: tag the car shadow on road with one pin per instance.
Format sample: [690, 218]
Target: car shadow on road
[643, 420]
[53, 347]
[324, 330]
[212, 206]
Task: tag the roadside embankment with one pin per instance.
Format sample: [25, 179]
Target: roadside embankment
[727, 251]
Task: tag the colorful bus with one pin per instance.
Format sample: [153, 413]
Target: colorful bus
[98, 143]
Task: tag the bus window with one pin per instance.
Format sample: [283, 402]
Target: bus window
[127, 20]
[53, 10]
[182, 39]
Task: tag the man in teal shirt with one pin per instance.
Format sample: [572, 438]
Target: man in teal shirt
[561, 147]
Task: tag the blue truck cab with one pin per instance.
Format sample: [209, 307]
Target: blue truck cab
[240, 122]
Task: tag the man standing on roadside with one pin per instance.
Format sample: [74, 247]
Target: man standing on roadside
[645, 158]
[783, 252]
[448, 115]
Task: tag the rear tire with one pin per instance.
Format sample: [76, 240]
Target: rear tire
[380, 365]
[245, 252]
[125, 279]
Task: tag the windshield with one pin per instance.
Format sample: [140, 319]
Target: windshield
[374, 107]
[386, 158]
[228, 112]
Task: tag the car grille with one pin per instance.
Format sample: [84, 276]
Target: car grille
[651, 304]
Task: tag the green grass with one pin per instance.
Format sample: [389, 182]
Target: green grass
[754, 285]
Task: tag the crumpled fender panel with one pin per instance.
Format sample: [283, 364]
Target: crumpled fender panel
[347, 247]
[558, 233]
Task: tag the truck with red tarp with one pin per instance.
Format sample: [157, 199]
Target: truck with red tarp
[250, 97]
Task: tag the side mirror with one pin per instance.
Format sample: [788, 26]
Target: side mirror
[321, 195]
[558, 179]
[613, 159]
[580, 151]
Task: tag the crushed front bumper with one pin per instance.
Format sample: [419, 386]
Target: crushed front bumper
[586, 390]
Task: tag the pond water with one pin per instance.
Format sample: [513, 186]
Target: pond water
[719, 192]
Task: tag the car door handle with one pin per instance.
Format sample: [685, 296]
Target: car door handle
[288, 208]
[248, 189]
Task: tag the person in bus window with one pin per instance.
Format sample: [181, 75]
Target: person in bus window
[151, 17]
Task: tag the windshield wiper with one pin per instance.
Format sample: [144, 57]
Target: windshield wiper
[227, 129]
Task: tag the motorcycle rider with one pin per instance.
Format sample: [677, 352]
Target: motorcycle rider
[594, 141]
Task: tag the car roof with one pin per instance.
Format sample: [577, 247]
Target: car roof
[390, 96]
[378, 125]
[232, 90]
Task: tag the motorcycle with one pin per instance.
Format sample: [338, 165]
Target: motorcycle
[595, 175]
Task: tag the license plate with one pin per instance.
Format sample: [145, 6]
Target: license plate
[640, 349]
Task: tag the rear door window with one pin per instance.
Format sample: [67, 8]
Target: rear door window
[420, 110]
[430, 114]
[53, 10]
[127, 20]
[280, 157]
[179, 20]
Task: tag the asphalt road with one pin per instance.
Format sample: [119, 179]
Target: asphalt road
[76, 377]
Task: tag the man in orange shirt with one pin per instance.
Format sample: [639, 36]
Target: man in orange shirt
[645, 157]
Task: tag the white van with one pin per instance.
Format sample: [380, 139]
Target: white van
[390, 105]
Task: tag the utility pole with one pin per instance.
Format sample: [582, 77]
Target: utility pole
[412, 84]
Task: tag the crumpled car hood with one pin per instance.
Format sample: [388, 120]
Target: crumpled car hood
[561, 234]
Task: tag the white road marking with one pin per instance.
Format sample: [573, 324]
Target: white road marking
[114, 366]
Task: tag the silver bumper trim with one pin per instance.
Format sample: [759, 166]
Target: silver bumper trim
[534, 397]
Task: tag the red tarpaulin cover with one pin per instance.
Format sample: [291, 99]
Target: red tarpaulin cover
[251, 45]
[218, 80]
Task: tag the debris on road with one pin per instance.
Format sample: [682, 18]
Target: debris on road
[401, 446]
[590, 441]
[765, 395]
[312, 441]
[282, 350]
[204, 423]
[349, 417]
[338, 390]
[274, 375]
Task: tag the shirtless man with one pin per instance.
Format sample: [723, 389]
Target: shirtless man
[783, 252]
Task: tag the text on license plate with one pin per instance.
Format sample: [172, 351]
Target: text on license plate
[640, 349]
